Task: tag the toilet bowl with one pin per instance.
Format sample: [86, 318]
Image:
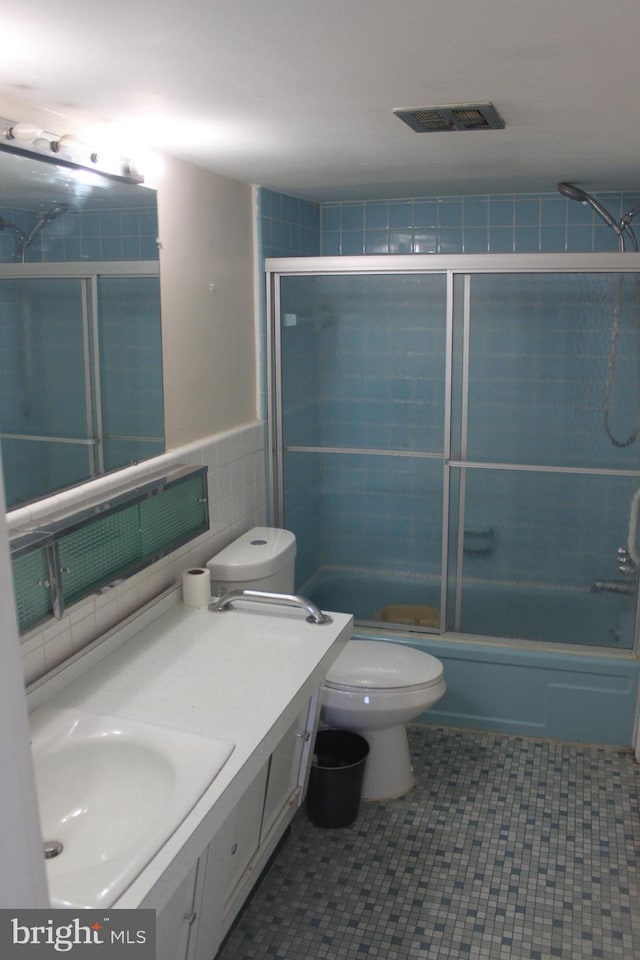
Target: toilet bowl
[374, 688]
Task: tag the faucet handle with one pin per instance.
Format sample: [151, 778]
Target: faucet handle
[625, 563]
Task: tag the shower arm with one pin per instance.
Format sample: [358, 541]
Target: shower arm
[628, 229]
[625, 223]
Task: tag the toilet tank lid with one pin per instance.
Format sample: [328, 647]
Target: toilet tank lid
[259, 552]
[372, 663]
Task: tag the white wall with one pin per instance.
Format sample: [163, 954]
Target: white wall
[206, 278]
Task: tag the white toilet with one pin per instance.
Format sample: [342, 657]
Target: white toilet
[374, 688]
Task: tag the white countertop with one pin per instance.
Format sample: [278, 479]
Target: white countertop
[239, 675]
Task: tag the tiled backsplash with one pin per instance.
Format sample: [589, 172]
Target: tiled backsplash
[237, 501]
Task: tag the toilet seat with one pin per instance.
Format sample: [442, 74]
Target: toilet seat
[383, 666]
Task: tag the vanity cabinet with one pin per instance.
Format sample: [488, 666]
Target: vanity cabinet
[194, 920]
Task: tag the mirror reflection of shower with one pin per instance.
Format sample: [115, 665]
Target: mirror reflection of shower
[625, 233]
[24, 240]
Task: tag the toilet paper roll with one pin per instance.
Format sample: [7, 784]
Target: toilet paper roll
[196, 587]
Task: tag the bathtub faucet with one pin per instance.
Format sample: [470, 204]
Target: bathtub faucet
[625, 563]
[625, 588]
[263, 596]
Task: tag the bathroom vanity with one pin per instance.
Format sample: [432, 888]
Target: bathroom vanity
[248, 677]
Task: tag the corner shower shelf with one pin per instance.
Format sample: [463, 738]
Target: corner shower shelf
[109, 540]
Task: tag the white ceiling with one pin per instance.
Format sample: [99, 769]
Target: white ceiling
[298, 95]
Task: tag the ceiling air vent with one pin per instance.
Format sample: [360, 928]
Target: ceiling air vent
[458, 116]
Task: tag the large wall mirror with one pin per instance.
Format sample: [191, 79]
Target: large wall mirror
[80, 332]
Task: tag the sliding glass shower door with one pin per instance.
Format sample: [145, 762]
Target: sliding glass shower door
[364, 404]
[548, 367]
[455, 448]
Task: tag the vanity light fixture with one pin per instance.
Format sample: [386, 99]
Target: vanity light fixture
[65, 148]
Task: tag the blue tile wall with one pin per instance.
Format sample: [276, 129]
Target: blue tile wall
[127, 234]
[289, 227]
[497, 223]
[130, 358]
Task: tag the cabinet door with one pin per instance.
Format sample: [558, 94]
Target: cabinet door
[245, 833]
[175, 920]
[285, 784]
[212, 883]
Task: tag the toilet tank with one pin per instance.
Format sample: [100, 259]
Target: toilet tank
[261, 559]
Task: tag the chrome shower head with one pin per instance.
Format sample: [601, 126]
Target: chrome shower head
[55, 211]
[572, 192]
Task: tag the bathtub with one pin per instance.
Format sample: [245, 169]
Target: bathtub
[579, 686]
[511, 611]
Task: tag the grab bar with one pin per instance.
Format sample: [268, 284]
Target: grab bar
[625, 588]
[262, 596]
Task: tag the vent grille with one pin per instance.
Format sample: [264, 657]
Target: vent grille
[460, 116]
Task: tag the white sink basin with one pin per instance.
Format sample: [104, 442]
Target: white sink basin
[111, 792]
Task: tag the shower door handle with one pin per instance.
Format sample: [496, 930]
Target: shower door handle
[632, 540]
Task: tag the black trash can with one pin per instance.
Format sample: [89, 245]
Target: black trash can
[335, 782]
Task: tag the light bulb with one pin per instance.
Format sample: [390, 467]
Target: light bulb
[71, 146]
[23, 131]
[63, 144]
[41, 144]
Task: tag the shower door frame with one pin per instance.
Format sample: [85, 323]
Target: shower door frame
[463, 266]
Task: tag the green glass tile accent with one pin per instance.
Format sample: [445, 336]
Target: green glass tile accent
[99, 552]
[174, 515]
[30, 582]
[108, 542]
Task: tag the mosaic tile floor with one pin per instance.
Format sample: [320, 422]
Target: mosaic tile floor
[507, 849]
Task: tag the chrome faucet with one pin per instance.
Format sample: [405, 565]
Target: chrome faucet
[263, 596]
[625, 563]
